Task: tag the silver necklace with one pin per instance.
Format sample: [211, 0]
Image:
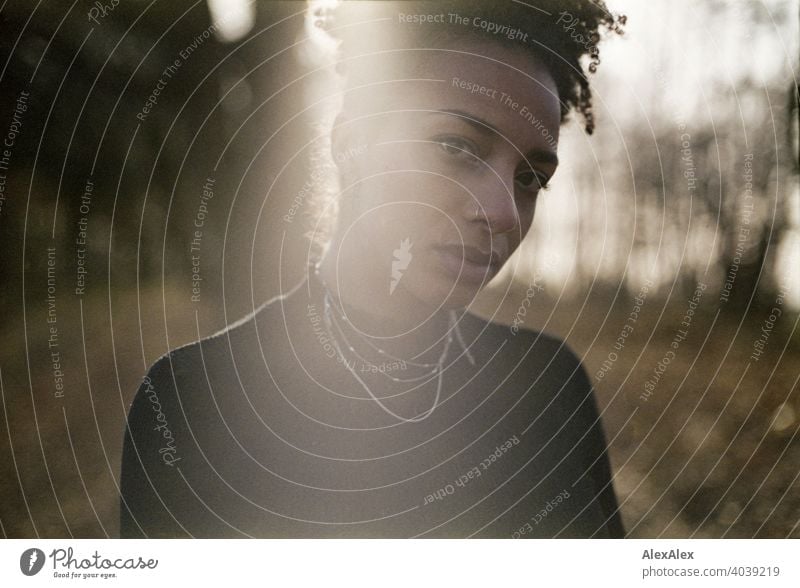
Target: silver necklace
[437, 368]
[330, 314]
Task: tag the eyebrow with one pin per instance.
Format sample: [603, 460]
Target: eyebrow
[484, 127]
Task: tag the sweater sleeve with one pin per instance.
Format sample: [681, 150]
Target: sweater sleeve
[595, 456]
[153, 492]
[571, 430]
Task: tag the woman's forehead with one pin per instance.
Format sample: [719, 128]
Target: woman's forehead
[510, 93]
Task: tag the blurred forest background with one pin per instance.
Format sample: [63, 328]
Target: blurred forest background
[691, 178]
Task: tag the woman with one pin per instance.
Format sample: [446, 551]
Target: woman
[366, 401]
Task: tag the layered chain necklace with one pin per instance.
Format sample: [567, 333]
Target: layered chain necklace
[336, 321]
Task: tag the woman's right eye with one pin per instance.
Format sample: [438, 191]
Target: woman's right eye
[458, 147]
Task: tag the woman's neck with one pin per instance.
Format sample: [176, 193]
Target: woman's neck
[362, 302]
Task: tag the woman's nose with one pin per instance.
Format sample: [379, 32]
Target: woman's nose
[493, 203]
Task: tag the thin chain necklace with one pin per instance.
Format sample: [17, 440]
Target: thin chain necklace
[437, 368]
[333, 315]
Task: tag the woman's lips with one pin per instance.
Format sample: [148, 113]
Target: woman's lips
[468, 263]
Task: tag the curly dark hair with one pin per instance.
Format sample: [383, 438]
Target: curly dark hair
[561, 33]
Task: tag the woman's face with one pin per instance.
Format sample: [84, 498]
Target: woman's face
[440, 180]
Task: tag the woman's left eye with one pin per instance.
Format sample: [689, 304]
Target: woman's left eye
[458, 147]
[531, 180]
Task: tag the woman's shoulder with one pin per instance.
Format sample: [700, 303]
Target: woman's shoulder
[529, 348]
[543, 367]
[196, 361]
[184, 366]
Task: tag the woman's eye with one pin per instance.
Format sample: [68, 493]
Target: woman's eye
[531, 180]
[458, 147]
